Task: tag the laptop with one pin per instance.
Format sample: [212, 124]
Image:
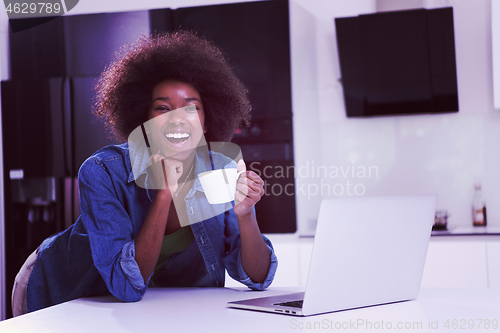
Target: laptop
[367, 251]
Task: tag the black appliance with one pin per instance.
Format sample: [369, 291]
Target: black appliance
[48, 128]
[400, 62]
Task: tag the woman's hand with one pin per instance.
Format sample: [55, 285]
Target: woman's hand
[249, 190]
[165, 172]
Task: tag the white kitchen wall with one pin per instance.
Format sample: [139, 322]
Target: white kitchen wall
[495, 37]
[443, 154]
[317, 99]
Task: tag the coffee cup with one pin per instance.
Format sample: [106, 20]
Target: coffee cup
[219, 185]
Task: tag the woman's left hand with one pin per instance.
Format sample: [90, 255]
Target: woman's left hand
[249, 190]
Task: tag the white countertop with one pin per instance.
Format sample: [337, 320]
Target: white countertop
[205, 310]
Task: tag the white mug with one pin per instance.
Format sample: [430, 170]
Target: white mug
[219, 185]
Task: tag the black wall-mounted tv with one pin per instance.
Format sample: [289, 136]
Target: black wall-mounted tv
[399, 62]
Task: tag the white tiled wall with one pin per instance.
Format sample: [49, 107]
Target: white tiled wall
[443, 154]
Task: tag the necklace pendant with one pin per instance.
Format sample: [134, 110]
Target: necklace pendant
[185, 180]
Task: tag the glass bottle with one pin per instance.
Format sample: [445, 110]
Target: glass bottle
[478, 207]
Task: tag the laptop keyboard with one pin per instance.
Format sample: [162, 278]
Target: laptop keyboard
[293, 304]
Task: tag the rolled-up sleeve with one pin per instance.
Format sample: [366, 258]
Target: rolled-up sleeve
[130, 267]
[110, 232]
[245, 279]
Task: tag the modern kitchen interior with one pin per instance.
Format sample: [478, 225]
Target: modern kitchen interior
[317, 132]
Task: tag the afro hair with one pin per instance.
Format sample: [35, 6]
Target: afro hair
[124, 89]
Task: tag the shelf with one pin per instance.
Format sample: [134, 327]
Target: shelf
[468, 231]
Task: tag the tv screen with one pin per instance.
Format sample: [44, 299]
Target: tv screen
[400, 62]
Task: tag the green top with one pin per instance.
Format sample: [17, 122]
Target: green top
[174, 243]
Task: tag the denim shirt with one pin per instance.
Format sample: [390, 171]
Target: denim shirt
[97, 253]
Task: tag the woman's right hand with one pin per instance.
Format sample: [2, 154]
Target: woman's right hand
[165, 172]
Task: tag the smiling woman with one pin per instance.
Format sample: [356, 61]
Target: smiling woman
[178, 92]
